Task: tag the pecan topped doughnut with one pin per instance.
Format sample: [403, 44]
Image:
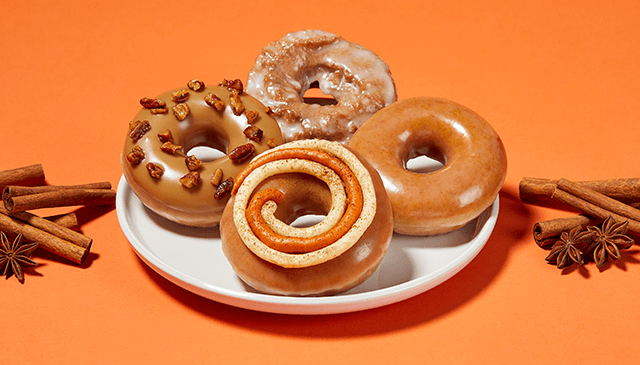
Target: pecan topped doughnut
[156, 160]
[356, 77]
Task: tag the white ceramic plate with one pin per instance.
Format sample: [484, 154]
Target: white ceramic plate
[192, 258]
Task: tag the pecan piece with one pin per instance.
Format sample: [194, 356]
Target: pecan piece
[190, 180]
[253, 133]
[236, 103]
[139, 129]
[181, 111]
[223, 189]
[149, 103]
[155, 170]
[165, 136]
[214, 101]
[242, 153]
[192, 163]
[216, 177]
[233, 85]
[169, 148]
[136, 155]
[195, 85]
[180, 96]
[251, 116]
[271, 142]
[159, 111]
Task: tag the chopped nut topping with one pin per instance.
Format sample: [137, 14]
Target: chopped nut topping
[193, 163]
[271, 142]
[165, 136]
[213, 100]
[180, 96]
[159, 111]
[236, 103]
[233, 85]
[216, 178]
[181, 111]
[155, 170]
[136, 155]
[242, 153]
[223, 189]
[149, 103]
[253, 133]
[133, 124]
[195, 85]
[268, 110]
[190, 180]
[170, 148]
[251, 116]
[138, 129]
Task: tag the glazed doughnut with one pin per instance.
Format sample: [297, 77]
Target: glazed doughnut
[356, 77]
[293, 180]
[473, 157]
[182, 188]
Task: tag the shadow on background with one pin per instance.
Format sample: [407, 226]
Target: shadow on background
[513, 224]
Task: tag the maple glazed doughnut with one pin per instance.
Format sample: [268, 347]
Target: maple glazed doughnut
[357, 78]
[295, 179]
[473, 157]
[155, 157]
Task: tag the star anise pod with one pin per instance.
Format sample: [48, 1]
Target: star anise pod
[566, 252]
[608, 240]
[14, 256]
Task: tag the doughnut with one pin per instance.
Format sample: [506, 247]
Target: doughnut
[359, 81]
[471, 152]
[156, 160]
[306, 177]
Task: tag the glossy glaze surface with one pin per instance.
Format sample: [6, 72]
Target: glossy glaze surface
[356, 77]
[473, 157]
[304, 195]
[204, 126]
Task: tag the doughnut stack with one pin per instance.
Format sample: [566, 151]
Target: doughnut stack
[285, 158]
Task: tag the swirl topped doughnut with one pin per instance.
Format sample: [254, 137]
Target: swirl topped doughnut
[155, 159]
[295, 179]
[357, 78]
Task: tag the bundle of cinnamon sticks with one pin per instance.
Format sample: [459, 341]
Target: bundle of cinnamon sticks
[24, 190]
[596, 200]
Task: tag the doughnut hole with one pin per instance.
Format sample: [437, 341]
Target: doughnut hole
[207, 146]
[307, 202]
[307, 220]
[313, 95]
[424, 158]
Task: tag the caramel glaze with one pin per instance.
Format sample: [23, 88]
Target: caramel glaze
[204, 126]
[473, 157]
[304, 195]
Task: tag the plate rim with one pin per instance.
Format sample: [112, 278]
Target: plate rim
[304, 305]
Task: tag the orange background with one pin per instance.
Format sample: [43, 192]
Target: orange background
[559, 81]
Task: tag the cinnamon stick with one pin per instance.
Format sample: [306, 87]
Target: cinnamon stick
[67, 220]
[51, 227]
[547, 232]
[27, 175]
[18, 190]
[59, 198]
[625, 190]
[595, 204]
[45, 240]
